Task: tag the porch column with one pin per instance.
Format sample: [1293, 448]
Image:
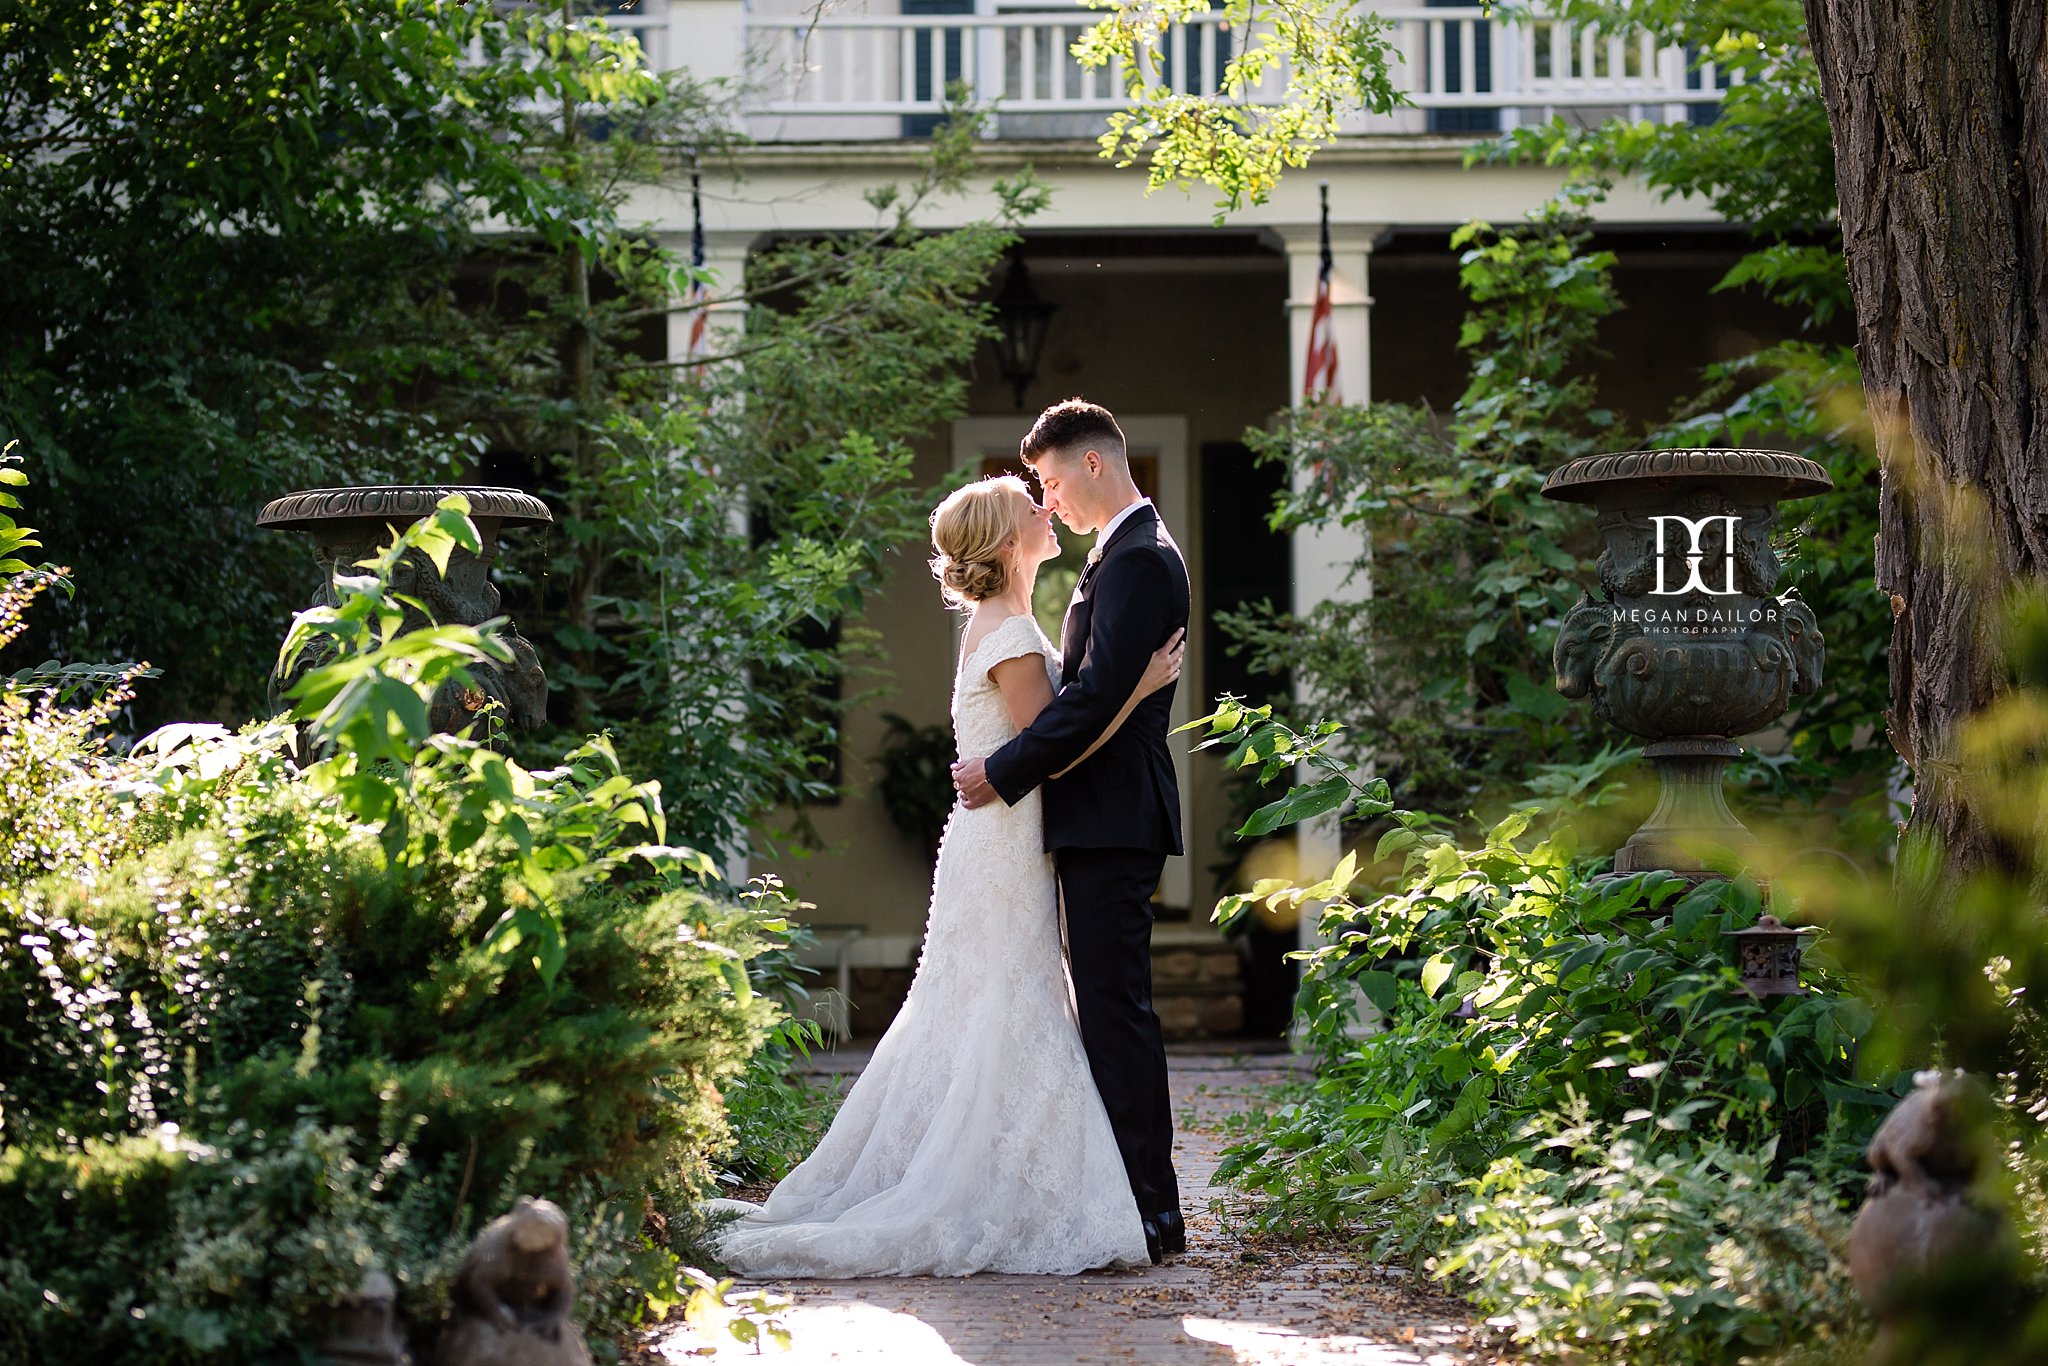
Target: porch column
[1324, 556]
[1350, 303]
[725, 256]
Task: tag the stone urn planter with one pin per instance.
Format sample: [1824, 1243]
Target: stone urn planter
[352, 524]
[1688, 648]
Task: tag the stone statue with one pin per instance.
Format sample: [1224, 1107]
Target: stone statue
[363, 1329]
[513, 1293]
[1929, 1256]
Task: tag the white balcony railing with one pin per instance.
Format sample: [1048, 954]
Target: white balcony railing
[870, 75]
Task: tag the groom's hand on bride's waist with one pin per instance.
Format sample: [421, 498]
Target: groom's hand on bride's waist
[972, 784]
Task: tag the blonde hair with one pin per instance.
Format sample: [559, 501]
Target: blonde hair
[969, 530]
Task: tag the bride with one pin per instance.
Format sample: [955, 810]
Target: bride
[975, 1139]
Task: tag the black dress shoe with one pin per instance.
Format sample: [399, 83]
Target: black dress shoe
[1152, 1242]
[1173, 1234]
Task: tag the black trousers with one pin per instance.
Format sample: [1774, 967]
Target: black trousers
[1108, 898]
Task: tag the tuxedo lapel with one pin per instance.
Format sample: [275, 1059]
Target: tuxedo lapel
[1144, 516]
[1074, 634]
[1074, 627]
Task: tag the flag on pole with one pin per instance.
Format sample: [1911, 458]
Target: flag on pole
[699, 295]
[1319, 374]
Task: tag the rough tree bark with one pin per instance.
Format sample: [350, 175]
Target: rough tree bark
[1940, 117]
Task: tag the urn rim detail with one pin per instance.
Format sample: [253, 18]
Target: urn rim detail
[311, 509]
[1588, 478]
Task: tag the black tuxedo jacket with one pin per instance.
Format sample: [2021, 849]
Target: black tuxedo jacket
[1125, 796]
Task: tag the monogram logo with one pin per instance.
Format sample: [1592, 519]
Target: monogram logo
[1696, 556]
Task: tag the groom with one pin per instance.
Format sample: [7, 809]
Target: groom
[1111, 822]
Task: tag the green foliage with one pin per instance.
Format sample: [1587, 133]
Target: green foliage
[202, 1251]
[914, 779]
[238, 301]
[231, 267]
[361, 1001]
[14, 538]
[1446, 665]
[1235, 137]
[1552, 1047]
[1610, 1246]
[749, 1319]
[1767, 158]
[1960, 967]
[1455, 711]
[1767, 161]
[717, 520]
[1458, 711]
[777, 1116]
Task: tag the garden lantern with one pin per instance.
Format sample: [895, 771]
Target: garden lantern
[1767, 955]
[1021, 318]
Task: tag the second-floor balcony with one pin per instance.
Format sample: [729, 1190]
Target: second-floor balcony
[880, 69]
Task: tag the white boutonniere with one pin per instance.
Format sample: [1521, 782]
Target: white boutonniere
[1094, 556]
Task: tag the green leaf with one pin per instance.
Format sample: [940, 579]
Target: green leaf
[1303, 803]
[1381, 988]
[1395, 840]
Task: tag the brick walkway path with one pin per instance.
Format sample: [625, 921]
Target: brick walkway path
[1223, 1304]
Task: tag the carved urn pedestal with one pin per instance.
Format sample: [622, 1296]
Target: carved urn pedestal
[1688, 648]
[353, 524]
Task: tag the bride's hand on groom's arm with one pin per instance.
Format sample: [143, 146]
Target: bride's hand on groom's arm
[972, 784]
[1163, 669]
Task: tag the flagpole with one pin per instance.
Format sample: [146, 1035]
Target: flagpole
[1319, 368]
[697, 290]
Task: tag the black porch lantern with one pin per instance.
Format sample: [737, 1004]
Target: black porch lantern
[1767, 956]
[1021, 317]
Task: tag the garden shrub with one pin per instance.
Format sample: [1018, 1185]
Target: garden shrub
[1689, 1253]
[303, 1015]
[1575, 1109]
[777, 1114]
[182, 1251]
[1511, 978]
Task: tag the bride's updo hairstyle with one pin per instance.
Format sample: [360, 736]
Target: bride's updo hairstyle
[969, 531]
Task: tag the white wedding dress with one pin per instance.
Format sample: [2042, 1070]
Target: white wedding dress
[975, 1139]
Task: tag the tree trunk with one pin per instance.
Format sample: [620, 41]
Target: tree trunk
[1940, 116]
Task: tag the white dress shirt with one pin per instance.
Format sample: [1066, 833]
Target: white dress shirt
[1109, 530]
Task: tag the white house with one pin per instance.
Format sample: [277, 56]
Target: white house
[1190, 332]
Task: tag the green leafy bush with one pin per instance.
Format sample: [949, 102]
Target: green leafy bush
[1641, 1251]
[180, 1251]
[298, 1016]
[777, 1115]
[1563, 1050]
[1446, 662]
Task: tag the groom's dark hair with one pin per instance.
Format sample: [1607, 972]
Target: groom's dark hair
[1071, 425]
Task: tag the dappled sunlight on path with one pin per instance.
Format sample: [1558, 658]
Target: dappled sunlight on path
[1224, 1304]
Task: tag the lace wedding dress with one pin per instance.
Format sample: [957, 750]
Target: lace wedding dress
[975, 1139]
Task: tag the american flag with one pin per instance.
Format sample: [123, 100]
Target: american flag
[698, 293]
[1319, 375]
